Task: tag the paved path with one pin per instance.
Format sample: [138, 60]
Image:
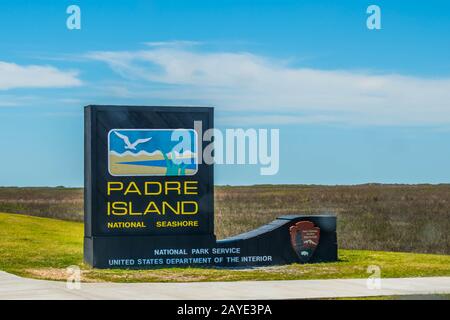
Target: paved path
[14, 287]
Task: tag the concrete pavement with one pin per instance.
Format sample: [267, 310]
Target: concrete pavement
[14, 287]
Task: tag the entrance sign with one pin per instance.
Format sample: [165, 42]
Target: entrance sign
[149, 198]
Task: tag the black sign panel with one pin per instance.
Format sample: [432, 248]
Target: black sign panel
[144, 175]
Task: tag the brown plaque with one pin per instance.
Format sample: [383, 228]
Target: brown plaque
[304, 239]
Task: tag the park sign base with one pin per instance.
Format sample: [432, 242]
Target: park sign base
[149, 198]
[268, 245]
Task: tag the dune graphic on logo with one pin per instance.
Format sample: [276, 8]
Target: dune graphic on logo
[152, 152]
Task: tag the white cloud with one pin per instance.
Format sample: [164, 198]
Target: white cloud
[278, 92]
[14, 76]
[7, 100]
[174, 43]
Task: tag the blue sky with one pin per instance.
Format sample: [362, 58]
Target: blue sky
[161, 140]
[353, 105]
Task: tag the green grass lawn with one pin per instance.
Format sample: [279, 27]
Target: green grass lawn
[44, 248]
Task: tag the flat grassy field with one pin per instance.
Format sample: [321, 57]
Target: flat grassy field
[407, 218]
[43, 248]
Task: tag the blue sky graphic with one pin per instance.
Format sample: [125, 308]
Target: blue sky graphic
[352, 105]
[161, 140]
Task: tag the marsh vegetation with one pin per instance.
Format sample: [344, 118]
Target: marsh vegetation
[409, 218]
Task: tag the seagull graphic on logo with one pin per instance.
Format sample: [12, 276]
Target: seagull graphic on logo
[128, 144]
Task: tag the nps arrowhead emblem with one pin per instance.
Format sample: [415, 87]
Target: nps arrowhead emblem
[304, 239]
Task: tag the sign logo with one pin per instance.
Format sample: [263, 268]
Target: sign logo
[152, 152]
[304, 239]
